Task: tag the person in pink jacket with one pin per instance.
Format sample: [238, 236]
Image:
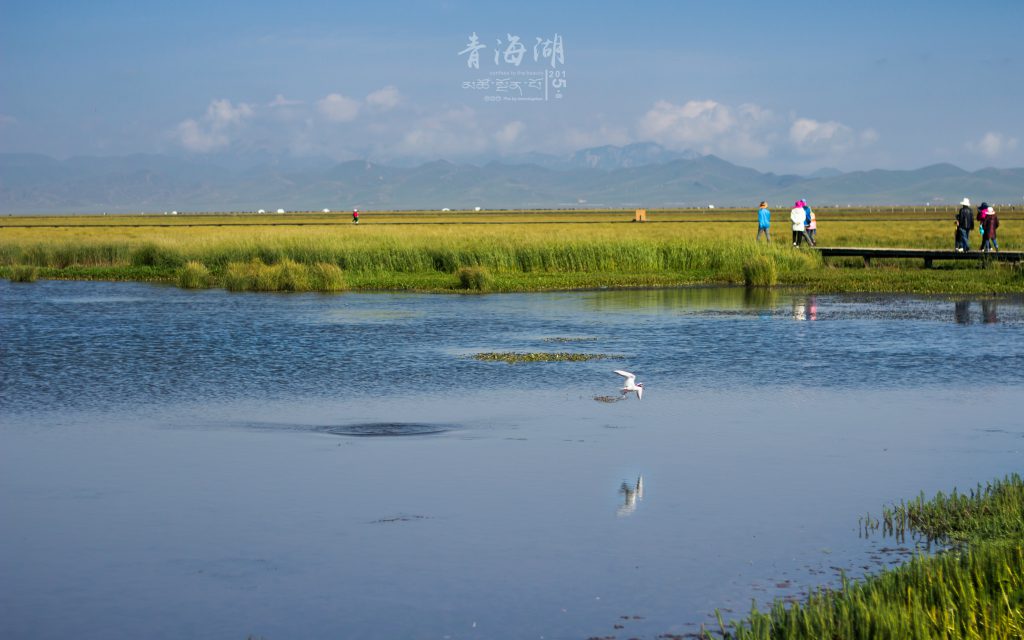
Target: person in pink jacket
[989, 223]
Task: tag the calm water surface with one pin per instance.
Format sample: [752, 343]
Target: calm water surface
[212, 465]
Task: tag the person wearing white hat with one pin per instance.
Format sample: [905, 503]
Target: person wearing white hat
[964, 224]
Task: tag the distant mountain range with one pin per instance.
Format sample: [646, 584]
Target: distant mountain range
[639, 175]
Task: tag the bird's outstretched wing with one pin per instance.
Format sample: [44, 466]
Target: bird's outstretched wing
[630, 377]
[639, 392]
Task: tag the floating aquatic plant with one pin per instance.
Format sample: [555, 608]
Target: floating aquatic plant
[512, 357]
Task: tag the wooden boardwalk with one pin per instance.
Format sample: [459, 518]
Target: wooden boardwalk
[928, 255]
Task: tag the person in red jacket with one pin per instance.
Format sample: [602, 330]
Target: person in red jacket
[355, 216]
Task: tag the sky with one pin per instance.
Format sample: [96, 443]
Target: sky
[778, 86]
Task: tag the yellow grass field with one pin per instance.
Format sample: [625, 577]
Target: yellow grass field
[521, 250]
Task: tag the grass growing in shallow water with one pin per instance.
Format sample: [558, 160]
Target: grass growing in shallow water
[974, 590]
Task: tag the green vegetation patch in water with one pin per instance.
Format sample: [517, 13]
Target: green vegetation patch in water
[513, 357]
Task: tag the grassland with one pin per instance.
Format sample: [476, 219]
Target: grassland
[974, 589]
[497, 251]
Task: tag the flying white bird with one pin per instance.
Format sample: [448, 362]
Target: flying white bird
[631, 384]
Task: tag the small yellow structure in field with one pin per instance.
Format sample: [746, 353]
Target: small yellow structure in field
[640, 215]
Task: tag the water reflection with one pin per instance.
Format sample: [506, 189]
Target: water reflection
[989, 311]
[654, 301]
[631, 495]
[805, 308]
[962, 312]
[760, 297]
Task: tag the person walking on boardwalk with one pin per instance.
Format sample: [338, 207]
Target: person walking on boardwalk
[764, 221]
[812, 224]
[989, 224]
[964, 224]
[797, 217]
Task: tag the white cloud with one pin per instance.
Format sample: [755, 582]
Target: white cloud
[212, 130]
[811, 137]
[384, 99]
[281, 101]
[337, 108]
[509, 133]
[709, 127]
[452, 132]
[992, 145]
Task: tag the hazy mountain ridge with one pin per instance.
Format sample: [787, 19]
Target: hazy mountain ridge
[644, 174]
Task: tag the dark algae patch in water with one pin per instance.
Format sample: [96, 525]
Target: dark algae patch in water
[385, 429]
[359, 429]
[513, 357]
[973, 589]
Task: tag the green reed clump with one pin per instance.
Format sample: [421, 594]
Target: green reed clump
[760, 271]
[324, 276]
[512, 357]
[24, 273]
[973, 590]
[475, 279]
[194, 275]
[154, 255]
[286, 275]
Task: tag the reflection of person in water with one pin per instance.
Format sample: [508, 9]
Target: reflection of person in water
[988, 311]
[962, 312]
[631, 496]
[805, 309]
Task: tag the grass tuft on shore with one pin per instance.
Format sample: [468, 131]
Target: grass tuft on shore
[194, 275]
[24, 273]
[760, 271]
[286, 276]
[475, 279]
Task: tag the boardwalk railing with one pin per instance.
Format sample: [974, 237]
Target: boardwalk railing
[928, 255]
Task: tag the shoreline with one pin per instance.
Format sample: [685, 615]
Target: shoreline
[525, 251]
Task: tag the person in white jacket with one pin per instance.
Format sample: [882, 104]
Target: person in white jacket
[797, 215]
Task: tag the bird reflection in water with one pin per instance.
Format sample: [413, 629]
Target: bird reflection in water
[631, 495]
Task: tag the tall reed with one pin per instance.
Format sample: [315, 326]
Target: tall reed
[973, 590]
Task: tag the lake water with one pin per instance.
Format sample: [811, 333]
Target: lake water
[180, 464]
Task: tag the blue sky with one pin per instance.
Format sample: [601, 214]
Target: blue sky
[780, 86]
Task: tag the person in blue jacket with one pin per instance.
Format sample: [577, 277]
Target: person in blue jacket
[763, 222]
